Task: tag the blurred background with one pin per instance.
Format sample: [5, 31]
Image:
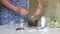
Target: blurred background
[51, 8]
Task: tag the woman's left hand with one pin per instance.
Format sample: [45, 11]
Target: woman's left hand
[37, 12]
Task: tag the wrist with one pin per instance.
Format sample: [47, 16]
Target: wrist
[39, 6]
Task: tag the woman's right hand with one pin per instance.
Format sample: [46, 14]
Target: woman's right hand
[21, 11]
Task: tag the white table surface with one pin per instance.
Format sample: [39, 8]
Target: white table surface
[6, 30]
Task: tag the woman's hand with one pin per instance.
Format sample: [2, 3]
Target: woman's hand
[39, 8]
[37, 12]
[21, 11]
